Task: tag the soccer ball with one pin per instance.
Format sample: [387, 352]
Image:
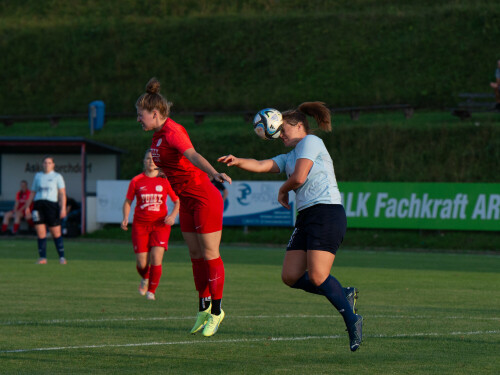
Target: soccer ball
[267, 123]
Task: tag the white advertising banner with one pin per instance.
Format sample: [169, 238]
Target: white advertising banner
[255, 203]
[249, 203]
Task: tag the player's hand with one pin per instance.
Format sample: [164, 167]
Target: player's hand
[124, 224]
[229, 160]
[283, 199]
[62, 214]
[221, 177]
[169, 220]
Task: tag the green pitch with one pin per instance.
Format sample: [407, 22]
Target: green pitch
[425, 313]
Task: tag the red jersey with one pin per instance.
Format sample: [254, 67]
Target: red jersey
[151, 194]
[167, 148]
[22, 198]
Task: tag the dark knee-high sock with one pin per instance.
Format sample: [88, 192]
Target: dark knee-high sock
[305, 284]
[332, 289]
[42, 247]
[59, 246]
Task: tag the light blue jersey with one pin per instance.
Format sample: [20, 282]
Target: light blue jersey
[47, 185]
[321, 184]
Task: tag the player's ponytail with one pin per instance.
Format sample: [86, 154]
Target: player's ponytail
[316, 110]
[319, 112]
[152, 99]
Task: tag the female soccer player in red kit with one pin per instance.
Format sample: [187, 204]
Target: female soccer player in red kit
[201, 203]
[151, 226]
[19, 211]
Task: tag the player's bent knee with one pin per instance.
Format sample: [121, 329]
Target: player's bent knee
[317, 278]
[288, 279]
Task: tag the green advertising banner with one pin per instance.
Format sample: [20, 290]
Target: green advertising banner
[398, 205]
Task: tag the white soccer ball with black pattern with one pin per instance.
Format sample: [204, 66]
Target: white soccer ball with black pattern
[267, 123]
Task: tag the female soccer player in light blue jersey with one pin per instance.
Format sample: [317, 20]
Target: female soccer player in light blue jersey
[49, 193]
[321, 220]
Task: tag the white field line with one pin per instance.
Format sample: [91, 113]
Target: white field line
[284, 316]
[232, 341]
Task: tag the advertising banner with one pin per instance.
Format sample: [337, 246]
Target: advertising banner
[252, 203]
[454, 206]
[255, 203]
[391, 205]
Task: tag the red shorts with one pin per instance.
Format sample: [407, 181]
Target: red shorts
[201, 208]
[145, 236]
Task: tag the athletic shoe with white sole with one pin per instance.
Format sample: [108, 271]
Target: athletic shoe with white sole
[356, 333]
[62, 260]
[150, 296]
[213, 324]
[351, 293]
[143, 287]
[201, 320]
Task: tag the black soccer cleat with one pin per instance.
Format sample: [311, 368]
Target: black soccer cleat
[355, 333]
[351, 293]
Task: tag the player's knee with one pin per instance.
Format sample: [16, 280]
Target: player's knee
[316, 278]
[288, 279]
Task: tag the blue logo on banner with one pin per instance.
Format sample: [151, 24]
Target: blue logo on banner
[245, 191]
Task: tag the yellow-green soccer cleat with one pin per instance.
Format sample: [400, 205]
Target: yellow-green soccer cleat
[201, 320]
[213, 324]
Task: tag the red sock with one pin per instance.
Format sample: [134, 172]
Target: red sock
[216, 277]
[154, 277]
[4, 227]
[144, 272]
[30, 223]
[200, 276]
[15, 228]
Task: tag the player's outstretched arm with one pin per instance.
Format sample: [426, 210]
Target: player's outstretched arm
[251, 165]
[199, 161]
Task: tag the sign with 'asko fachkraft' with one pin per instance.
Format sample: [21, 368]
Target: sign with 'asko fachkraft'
[453, 206]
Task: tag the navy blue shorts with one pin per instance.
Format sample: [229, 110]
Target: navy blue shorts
[319, 227]
[46, 212]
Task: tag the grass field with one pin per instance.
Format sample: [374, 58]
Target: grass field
[425, 313]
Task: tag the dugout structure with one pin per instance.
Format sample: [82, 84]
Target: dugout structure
[80, 161]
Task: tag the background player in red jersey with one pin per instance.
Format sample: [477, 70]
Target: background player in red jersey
[201, 203]
[19, 211]
[151, 225]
